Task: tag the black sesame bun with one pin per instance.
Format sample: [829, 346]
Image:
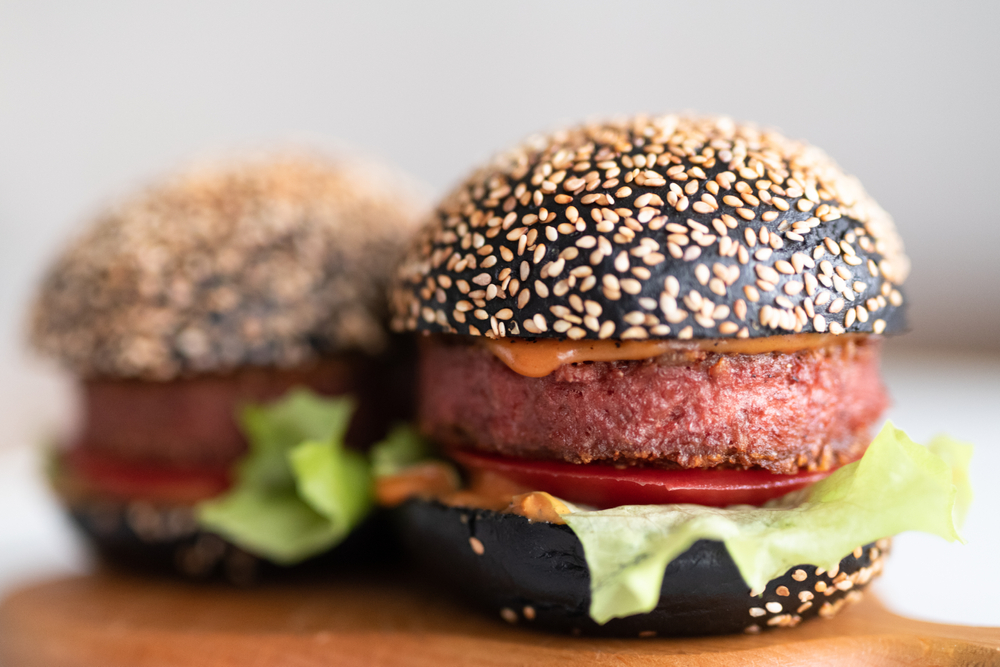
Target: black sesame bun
[535, 574]
[226, 284]
[267, 262]
[656, 228]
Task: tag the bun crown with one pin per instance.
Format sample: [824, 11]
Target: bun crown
[668, 227]
[268, 262]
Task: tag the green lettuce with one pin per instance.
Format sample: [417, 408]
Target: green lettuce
[896, 486]
[402, 448]
[299, 491]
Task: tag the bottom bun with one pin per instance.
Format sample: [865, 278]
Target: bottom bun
[168, 539]
[535, 574]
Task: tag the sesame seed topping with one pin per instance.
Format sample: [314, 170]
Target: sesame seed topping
[265, 261]
[604, 203]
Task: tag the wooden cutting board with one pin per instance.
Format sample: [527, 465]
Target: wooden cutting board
[111, 619]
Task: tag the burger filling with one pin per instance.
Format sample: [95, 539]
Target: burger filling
[178, 441]
[644, 449]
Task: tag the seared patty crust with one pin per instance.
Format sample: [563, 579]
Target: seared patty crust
[784, 412]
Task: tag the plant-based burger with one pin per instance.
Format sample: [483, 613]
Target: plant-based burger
[651, 347]
[185, 308]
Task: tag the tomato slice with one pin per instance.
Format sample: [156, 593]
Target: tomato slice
[603, 486]
[134, 481]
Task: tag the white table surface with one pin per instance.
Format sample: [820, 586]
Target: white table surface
[925, 577]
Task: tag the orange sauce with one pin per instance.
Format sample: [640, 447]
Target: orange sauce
[486, 490]
[538, 357]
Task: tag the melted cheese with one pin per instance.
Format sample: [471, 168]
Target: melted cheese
[538, 357]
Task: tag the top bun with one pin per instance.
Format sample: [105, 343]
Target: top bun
[266, 262]
[654, 228]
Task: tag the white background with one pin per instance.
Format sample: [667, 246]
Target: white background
[97, 98]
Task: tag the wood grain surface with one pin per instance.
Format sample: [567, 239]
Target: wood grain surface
[111, 619]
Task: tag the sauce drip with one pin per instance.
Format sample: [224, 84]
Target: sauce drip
[538, 357]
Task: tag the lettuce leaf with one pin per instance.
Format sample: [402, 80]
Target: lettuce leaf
[896, 486]
[298, 491]
[403, 447]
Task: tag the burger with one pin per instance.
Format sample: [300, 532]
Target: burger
[218, 323]
[649, 360]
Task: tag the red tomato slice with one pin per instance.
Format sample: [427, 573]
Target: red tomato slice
[133, 481]
[604, 486]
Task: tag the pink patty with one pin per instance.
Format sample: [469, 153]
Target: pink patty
[783, 412]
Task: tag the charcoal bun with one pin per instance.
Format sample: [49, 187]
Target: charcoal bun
[165, 539]
[672, 227]
[272, 260]
[534, 574]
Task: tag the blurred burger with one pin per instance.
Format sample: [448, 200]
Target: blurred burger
[187, 308]
[647, 345]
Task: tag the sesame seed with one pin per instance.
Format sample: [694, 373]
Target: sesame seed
[767, 273]
[631, 286]
[477, 546]
[539, 253]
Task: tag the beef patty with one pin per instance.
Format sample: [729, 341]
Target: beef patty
[783, 412]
